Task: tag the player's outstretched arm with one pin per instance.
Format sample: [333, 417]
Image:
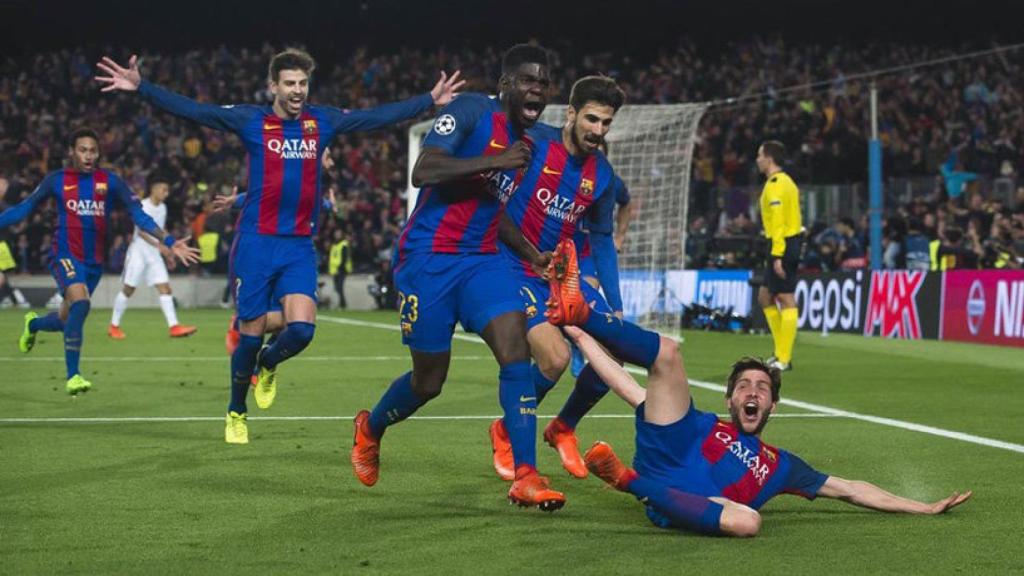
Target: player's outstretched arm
[867, 495]
[22, 209]
[607, 368]
[119, 78]
[394, 112]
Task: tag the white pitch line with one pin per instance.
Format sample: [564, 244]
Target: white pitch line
[147, 419]
[224, 358]
[903, 425]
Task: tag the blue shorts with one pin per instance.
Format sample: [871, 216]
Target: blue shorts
[67, 271]
[587, 267]
[535, 292]
[437, 290]
[268, 268]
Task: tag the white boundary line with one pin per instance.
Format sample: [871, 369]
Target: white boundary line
[971, 438]
[224, 358]
[148, 419]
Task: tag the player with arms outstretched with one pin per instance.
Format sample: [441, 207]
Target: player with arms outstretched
[275, 259]
[144, 263]
[568, 186]
[447, 268]
[83, 194]
[695, 472]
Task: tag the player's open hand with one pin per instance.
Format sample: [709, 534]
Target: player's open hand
[949, 502]
[515, 156]
[185, 253]
[118, 77]
[447, 88]
[222, 202]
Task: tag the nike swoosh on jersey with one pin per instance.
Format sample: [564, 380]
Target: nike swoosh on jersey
[71, 186]
[527, 398]
[495, 144]
[269, 126]
[549, 171]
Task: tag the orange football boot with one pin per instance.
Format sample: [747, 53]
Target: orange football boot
[180, 331]
[602, 461]
[502, 448]
[116, 333]
[559, 436]
[233, 336]
[566, 304]
[365, 450]
[531, 489]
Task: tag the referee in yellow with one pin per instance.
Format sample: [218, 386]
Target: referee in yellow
[780, 214]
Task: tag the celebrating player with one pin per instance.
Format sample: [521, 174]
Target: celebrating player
[568, 185]
[83, 194]
[145, 264]
[780, 214]
[274, 258]
[694, 472]
[447, 269]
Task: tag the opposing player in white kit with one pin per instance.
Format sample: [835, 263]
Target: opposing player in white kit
[144, 263]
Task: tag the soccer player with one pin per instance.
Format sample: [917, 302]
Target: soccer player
[145, 264]
[274, 258]
[568, 184]
[780, 214]
[695, 472]
[447, 269]
[83, 194]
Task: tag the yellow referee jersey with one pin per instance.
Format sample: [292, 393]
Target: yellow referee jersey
[780, 211]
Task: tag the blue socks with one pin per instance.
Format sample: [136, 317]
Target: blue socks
[671, 508]
[49, 323]
[541, 383]
[625, 340]
[73, 335]
[397, 404]
[242, 363]
[518, 397]
[588, 392]
[290, 342]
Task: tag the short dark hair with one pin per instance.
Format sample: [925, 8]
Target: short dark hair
[291, 59]
[954, 234]
[159, 177]
[523, 54]
[751, 363]
[82, 132]
[599, 89]
[846, 220]
[775, 150]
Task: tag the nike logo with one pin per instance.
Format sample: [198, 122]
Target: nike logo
[496, 144]
[269, 126]
[70, 187]
[527, 398]
[549, 171]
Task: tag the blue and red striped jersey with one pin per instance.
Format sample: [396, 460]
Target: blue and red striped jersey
[558, 193]
[83, 202]
[462, 217]
[284, 155]
[721, 460]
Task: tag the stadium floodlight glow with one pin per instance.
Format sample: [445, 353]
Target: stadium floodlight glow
[651, 149]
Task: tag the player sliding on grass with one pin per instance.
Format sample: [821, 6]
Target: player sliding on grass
[695, 472]
[274, 258]
[567, 185]
[83, 193]
[447, 268]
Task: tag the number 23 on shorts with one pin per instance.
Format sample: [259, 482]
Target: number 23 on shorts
[408, 310]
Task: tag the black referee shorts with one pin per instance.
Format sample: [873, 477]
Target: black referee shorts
[790, 262]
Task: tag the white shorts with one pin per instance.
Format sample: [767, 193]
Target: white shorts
[144, 266]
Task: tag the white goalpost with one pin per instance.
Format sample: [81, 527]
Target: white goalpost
[651, 149]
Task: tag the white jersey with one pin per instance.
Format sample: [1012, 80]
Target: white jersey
[159, 215]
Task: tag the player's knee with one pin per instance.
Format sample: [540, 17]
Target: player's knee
[303, 332]
[428, 386]
[668, 354]
[128, 291]
[554, 361]
[740, 521]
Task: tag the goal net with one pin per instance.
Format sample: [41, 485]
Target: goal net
[650, 147]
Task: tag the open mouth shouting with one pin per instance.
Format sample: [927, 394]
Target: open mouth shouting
[532, 110]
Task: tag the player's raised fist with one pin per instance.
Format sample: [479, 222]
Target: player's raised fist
[117, 77]
[447, 88]
[515, 156]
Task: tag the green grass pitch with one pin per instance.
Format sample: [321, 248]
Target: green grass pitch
[149, 486]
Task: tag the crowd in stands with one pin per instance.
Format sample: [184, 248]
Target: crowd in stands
[961, 119]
